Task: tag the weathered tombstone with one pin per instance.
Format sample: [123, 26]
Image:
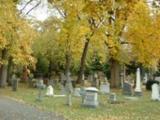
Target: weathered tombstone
[138, 91]
[155, 92]
[40, 86]
[145, 79]
[77, 92]
[91, 97]
[112, 98]
[50, 91]
[90, 78]
[30, 82]
[82, 93]
[127, 89]
[95, 81]
[105, 88]
[14, 82]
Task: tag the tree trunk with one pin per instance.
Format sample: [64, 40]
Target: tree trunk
[10, 71]
[69, 87]
[82, 64]
[4, 67]
[115, 74]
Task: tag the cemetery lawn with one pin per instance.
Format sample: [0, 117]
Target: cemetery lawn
[141, 109]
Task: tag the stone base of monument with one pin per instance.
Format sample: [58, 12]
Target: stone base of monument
[137, 93]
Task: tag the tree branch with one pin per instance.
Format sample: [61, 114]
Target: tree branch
[33, 7]
[25, 5]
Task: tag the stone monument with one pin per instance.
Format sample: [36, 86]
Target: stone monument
[91, 97]
[138, 91]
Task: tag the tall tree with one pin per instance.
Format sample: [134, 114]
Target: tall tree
[15, 39]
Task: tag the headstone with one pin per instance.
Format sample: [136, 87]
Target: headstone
[14, 82]
[40, 86]
[91, 97]
[127, 89]
[77, 92]
[112, 98]
[95, 81]
[138, 91]
[155, 92]
[145, 78]
[105, 88]
[50, 91]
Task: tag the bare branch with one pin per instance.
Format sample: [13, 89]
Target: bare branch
[59, 11]
[26, 5]
[34, 7]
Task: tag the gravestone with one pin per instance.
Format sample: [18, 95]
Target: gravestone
[145, 78]
[112, 98]
[138, 91]
[105, 88]
[14, 82]
[50, 91]
[95, 81]
[91, 97]
[127, 89]
[77, 92]
[40, 87]
[155, 92]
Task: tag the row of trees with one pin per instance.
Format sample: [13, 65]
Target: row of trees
[114, 31]
[118, 31]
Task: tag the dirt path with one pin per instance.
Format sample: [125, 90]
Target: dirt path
[13, 110]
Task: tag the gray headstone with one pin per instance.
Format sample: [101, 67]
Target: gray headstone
[112, 98]
[127, 89]
[40, 86]
[91, 97]
[14, 83]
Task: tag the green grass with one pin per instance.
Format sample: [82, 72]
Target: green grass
[141, 109]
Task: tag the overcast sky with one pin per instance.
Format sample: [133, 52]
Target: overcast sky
[41, 13]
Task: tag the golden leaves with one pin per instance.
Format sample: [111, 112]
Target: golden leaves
[15, 34]
[143, 33]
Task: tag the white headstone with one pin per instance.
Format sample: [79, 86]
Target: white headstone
[138, 90]
[50, 91]
[77, 92]
[105, 88]
[155, 92]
